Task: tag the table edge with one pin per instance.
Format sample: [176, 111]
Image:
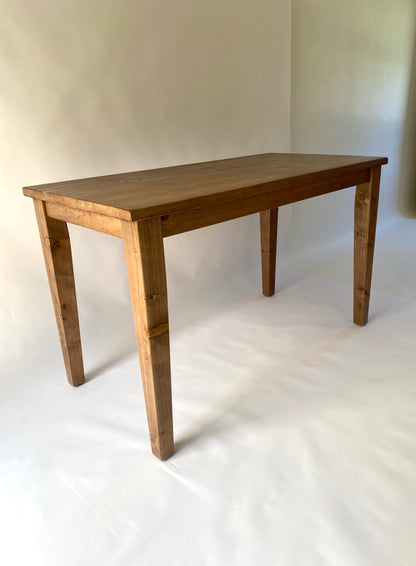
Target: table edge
[200, 201]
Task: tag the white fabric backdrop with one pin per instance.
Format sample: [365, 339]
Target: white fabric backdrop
[295, 430]
[90, 88]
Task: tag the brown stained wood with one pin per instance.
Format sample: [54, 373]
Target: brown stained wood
[179, 222]
[58, 259]
[145, 206]
[365, 220]
[92, 220]
[268, 238]
[157, 192]
[145, 260]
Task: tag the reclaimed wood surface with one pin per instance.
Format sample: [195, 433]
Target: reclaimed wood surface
[179, 222]
[56, 248]
[156, 192]
[95, 221]
[365, 220]
[145, 260]
[268, 240]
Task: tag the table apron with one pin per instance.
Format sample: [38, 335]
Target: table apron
[183, 221]
[100, 222]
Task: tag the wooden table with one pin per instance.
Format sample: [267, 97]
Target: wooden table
[146, 206]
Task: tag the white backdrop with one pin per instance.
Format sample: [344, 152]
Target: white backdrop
[91, 88]
[349, 87]
[295, 430]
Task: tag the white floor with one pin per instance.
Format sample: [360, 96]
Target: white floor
[295, 431]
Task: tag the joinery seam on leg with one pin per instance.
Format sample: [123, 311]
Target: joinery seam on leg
[153, 297]
[158, 330]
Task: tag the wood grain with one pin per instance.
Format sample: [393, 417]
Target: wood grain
[179, 222]
[157, 192]
[92, 220]
[268, 239]
[145, 206]
[365, 220]
[147, 280]
[58, 259]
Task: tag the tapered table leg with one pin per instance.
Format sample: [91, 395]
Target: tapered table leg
[145, 260]
[58, 259]
[365, 219]
[268, 236]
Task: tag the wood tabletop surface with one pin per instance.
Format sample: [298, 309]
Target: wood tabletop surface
[156, 192]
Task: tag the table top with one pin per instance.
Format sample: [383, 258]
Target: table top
[156, 192]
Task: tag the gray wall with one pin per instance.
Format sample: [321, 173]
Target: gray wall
[349, 87]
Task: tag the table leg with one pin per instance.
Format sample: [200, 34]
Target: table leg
[58, 259]
[145, 260]
[365, 219]
[268, 236]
